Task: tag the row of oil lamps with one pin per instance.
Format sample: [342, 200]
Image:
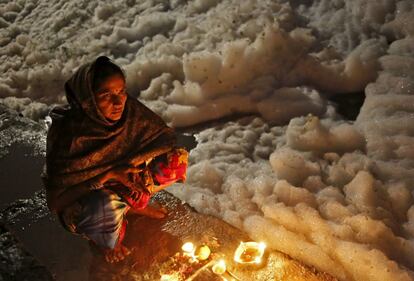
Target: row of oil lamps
[245, 254]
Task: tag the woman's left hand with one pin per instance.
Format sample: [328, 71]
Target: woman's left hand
[124, 174]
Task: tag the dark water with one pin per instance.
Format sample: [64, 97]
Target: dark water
[19, 174]
[62, 253]
[348, 105]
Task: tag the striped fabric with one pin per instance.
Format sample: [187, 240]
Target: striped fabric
[99, 216]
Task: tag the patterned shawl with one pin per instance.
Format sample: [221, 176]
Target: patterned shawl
[82, 143]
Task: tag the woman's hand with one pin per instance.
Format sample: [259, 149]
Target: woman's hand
[122, 174]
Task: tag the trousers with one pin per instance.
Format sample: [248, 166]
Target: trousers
[99, 216]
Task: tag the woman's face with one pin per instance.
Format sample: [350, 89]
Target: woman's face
[111, 97]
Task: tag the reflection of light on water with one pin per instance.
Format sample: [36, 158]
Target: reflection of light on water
[278, 263]
[249, 253]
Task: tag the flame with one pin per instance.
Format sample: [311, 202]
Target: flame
[219, 267]
[249, 252]
[188, 247]
[169, 277]
[189, 250]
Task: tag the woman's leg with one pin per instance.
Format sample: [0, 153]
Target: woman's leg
[101, 219]
[151, 210]
[156, 211]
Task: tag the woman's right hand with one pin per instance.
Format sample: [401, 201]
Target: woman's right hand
[121, 174]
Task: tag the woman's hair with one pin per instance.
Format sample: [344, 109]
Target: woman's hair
[105, 68]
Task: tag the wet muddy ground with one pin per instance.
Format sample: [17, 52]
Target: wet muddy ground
[53, 251]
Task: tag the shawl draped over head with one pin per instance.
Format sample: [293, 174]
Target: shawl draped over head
[82, 143]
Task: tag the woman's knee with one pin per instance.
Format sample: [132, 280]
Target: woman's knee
[99, 217]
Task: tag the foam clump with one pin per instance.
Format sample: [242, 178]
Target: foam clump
[257, 55]
[26, 107]
[361, 191]
[292, 166]
[327, 209]
[310, 134]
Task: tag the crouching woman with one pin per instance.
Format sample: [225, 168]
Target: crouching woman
[106, 155]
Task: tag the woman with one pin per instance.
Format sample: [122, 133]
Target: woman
[99, 152]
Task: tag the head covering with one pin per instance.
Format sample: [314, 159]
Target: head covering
[82, 143]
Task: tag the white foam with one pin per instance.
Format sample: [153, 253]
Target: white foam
[334, 194]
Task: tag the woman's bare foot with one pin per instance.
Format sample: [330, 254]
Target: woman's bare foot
[151, 211]
[116, 255]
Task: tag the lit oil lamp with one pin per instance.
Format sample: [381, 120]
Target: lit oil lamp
[189, 250]
[249, 253]
[188, 247]
[197, 254]
[219, 267]
[169, 277]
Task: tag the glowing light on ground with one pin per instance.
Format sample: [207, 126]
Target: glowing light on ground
[169, 277]
[203, 252]
[249, 253]
[219, 267]
[188, 247]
